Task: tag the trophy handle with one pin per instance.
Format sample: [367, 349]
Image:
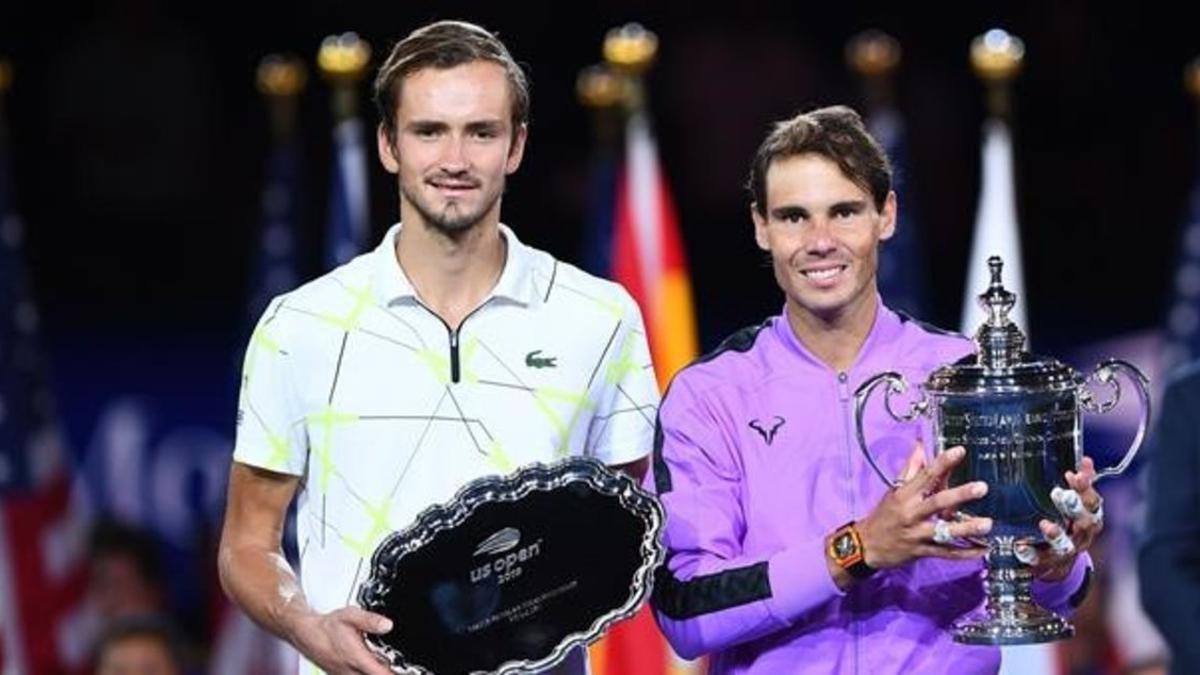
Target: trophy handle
[1105, 373]
[896, 385]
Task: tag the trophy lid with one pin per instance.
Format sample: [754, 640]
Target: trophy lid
[1001, 364]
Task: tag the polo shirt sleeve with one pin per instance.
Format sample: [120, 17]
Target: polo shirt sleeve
[270, 424]
[626, 398]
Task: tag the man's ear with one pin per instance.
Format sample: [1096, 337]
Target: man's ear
[760, 228]
[517, 150]
[888, 217]
[386, 144]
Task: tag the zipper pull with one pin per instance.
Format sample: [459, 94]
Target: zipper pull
[843, 386]
[454, 368]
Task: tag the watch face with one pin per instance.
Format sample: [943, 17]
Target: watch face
[843, 545]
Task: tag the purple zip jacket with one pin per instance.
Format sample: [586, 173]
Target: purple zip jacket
[756, 462]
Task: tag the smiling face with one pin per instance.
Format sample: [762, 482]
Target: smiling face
[454, 145]
[823, 232]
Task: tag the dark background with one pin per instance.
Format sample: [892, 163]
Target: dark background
[140, 142]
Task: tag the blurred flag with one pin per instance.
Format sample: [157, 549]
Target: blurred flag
[648, 255]
[598, 231]
[44, 515]
[996, 231]
[648, 260]
[277, 268]
[348, 226]
[902, 281]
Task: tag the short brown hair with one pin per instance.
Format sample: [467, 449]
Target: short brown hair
[836, 133]
[446, 44]
[144, 626]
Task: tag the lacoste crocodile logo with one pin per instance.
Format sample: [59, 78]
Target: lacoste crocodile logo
[767, 434]
[534, 361]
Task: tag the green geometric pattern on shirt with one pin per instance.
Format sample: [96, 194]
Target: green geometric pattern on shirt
[280, 451]
[542, 397]
[613, 308]
[499, 458]
[439, 364]
[466, 357]
[260, 340]
[363, 299]
[623, 363]
[377, 514]
[325, 421]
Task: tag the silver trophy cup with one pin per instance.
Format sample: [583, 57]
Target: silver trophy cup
[1018, 417]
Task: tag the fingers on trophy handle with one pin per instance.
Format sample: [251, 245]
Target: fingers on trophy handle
[895, 385]
[1106, 373]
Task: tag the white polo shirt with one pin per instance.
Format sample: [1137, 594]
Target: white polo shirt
[353, 384]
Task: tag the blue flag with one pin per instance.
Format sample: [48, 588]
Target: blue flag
[902, 281]
[277, 268]
[348, 211]
[41, 574]
[24, 396]
[598, 230]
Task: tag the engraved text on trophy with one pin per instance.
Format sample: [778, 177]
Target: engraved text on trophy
[1020, 447]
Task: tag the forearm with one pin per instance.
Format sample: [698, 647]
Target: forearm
[736, 601]
[635, 469]
[263, 584]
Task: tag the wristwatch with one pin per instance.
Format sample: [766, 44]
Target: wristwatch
[846, 549]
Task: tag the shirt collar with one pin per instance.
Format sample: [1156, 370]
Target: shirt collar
[883, 330]
[390, 283]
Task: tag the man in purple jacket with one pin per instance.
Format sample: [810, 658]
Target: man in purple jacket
[786, 553]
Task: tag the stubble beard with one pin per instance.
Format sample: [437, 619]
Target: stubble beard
[452, 222]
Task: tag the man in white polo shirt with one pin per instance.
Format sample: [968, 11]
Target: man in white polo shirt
[451, 351]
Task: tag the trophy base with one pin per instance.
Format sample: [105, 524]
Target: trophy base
[1018, 623]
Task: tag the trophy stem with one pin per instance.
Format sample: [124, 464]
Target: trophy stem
[1010, 616]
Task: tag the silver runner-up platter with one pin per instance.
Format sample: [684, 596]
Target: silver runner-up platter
[1019, 418]
[515, 571]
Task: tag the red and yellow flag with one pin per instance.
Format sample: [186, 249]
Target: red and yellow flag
[648, 256]
[648, 259]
